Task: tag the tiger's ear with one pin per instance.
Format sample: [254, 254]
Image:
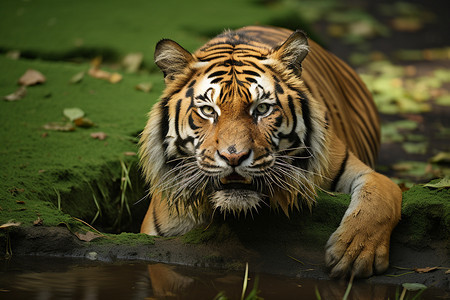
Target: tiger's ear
[171, 58]
[292, 52]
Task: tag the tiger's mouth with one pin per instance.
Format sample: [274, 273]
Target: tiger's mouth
[234, 181]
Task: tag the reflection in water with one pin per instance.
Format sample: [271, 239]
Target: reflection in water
[44, 278]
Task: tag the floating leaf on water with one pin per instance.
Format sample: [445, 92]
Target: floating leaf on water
[99, 135]
[77, 78]
[414, 286]
[32, 77]
[144, 87]
[84, 122]
[441, 157]
[73, 113]
[17, 95]
[59, 126]
[415, 148]
[443, 100]
[407, 24]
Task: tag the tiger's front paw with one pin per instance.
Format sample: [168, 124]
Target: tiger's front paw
[358, 251]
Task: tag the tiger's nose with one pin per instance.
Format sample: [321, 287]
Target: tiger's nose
[233, 158]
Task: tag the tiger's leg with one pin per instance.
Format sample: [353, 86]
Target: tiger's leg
[162, 221]
[360, 245]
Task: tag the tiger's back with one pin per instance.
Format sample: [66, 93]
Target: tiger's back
[350, 108]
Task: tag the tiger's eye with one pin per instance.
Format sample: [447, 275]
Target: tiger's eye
[262, 108]
[207, 110]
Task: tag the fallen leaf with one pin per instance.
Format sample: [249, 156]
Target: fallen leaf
[443, 100]
[115, 78]
[17, 95]
[32, 77]
[132, 62]
[96, 62]
[105, 75]
[10, 224]
[15, 191]
[20, 202]
[88, 236]
[415, 148]
[441, 157]
[441, 184]
[403, 187]
[73, 113]
[77, 77]
[99, 135]
[38, 222]
[59, 126]
[13, 54]
[84, 122]
[407, 24]
[144, 87]
[99, 74]
[129, 153]
[425, 270]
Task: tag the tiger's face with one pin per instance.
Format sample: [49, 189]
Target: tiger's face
[233, 128]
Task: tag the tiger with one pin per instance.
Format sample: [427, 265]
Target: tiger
[265, 116]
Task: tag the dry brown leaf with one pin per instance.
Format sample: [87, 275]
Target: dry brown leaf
[88, 236]
[425, 270]
[129, 153]
[20, 202]
[59, 126]
[115, 78]
[99, 74]
[32, 77]
[144, 87]
[132, 61]
[99, 135]
[83, 122]
[104, 75]
[38, 222]
[10, 224]
[17, 95]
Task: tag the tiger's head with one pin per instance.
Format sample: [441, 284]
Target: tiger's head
[235, 126]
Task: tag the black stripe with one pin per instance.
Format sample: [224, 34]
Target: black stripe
[217, 73]
[164, 123]
[253, 73]
[340, 172]
[177, 118]
[157, 226]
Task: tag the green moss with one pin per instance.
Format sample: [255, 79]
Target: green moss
[425, 216]
[216, 232]
[131, 239]
[57, 30]
[70, 167]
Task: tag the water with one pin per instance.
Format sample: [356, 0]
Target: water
[65, 278]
